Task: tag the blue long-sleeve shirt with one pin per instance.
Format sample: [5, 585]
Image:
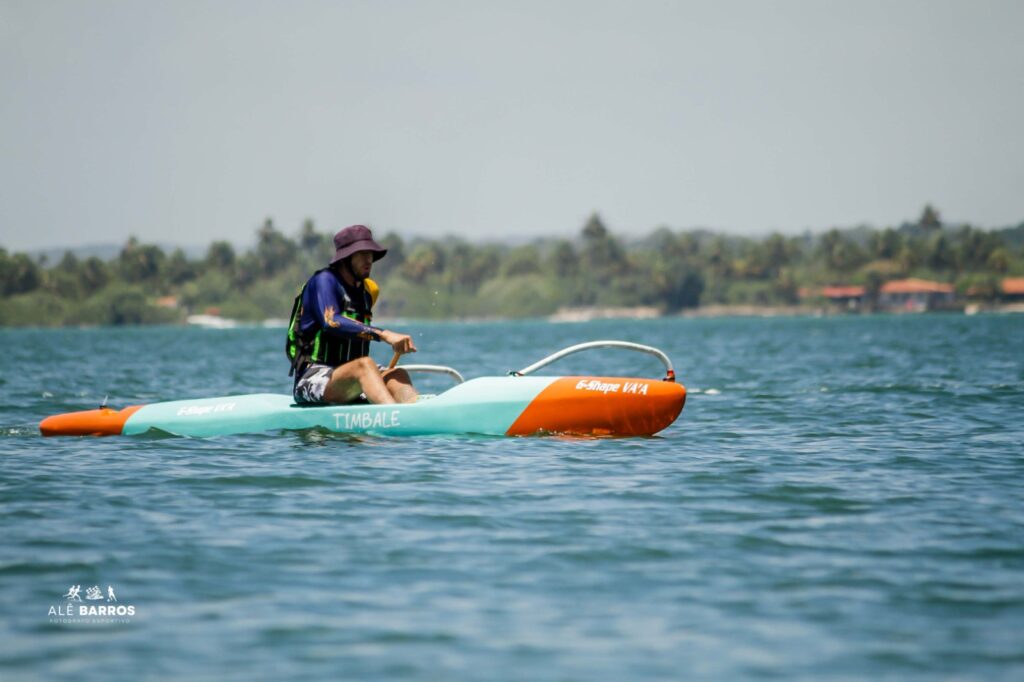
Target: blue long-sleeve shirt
[323, 307]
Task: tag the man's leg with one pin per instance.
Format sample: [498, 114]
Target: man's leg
[355, 377]
[400, 385]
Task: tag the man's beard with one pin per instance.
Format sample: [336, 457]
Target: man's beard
[347, 264]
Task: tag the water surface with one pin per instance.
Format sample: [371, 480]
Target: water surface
[841, 498]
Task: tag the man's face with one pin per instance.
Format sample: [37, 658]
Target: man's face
[362, 263]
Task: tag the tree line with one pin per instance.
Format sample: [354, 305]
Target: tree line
[452, 277]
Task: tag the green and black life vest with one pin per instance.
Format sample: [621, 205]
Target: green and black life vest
[327, 349]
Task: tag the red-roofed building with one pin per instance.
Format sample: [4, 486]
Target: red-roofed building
[915, 286]
[915, 295]
[849, 297]
[843, 292]
[1012, 287]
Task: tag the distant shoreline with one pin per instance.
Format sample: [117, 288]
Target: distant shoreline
[576, 315]
[592, 313]
[741, 310]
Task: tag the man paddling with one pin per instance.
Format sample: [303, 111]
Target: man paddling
[329, 332]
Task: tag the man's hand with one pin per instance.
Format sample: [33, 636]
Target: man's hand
[400, 343]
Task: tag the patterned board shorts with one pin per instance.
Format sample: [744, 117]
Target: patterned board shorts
[309, 389]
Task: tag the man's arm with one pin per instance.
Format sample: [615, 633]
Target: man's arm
[327, 310]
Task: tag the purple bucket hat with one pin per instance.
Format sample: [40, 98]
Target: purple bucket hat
[356, 238]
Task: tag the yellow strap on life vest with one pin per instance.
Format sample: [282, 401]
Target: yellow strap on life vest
[372, 289]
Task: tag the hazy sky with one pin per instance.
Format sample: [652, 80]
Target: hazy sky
[186, 121]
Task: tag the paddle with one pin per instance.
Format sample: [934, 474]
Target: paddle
[394, 360]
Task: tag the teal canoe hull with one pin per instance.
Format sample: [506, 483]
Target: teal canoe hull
[498, 406]
[488, 405]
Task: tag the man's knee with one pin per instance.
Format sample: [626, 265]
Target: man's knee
[399, 374]
[357, 369]
[366, 364]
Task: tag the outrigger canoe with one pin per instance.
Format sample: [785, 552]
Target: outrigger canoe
[514, 405]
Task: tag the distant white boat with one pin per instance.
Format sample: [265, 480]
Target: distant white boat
[275, 323]
[586, 314]
[211, 321]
